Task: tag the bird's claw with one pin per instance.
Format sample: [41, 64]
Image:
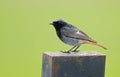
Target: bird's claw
[65, 51]
[75, 51]
[70, 51]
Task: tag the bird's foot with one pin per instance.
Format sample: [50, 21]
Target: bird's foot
[75, 51]
[65, 51]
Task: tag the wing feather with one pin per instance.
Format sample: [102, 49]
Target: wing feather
[74, 32]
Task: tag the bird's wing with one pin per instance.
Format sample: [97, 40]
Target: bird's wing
[73, 32]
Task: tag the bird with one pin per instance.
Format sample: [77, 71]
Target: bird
[71, 35]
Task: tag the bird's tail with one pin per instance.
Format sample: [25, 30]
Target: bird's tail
[95, 43]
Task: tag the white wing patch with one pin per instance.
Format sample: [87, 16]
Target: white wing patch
[79, 33]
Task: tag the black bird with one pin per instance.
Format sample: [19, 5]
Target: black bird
[71, 35]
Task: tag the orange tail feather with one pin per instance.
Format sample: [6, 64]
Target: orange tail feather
[94, 43]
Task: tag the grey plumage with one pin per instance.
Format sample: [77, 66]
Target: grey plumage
[71, 35]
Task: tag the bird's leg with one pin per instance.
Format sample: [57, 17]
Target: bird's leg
[75, 50]
[71, 49]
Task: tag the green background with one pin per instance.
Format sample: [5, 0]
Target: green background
[25, 32]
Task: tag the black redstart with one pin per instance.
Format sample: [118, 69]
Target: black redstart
[71, 35]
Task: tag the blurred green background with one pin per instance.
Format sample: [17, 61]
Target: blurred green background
[25, 32]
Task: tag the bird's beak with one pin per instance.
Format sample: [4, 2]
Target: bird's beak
[51, 24]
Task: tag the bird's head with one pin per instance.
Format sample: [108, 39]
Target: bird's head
[58, 24]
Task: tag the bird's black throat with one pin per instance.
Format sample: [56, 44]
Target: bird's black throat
[59, 34]
[58, 27]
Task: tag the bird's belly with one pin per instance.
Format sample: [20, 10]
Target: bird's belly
[70, 41]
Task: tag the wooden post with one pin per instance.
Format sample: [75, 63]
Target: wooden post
[80, 64]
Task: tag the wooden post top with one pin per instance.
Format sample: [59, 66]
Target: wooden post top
[72, 54]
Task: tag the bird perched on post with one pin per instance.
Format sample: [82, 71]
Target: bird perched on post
[71, 35]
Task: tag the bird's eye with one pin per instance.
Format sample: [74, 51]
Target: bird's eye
[56, 22]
